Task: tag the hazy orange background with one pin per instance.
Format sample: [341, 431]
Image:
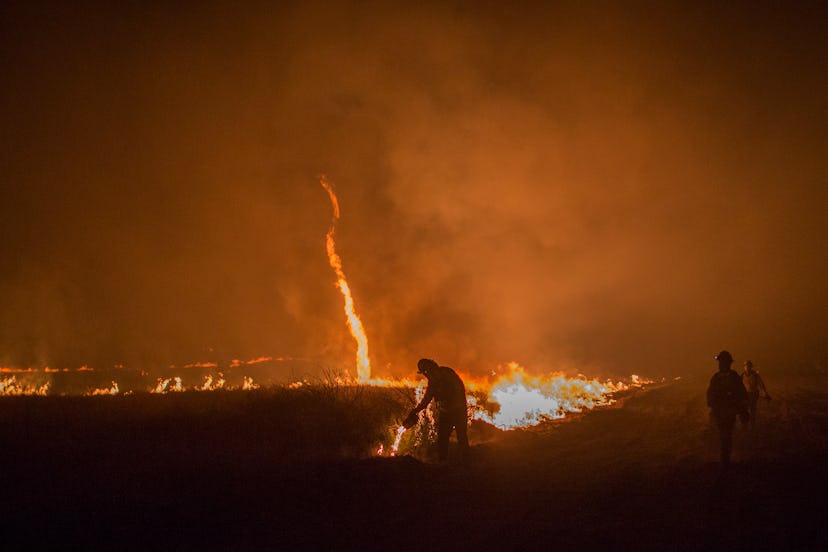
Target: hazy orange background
[586, 186]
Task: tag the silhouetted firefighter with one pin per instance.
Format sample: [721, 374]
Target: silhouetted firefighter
[449, 394]
[753, 385]
[727, 398]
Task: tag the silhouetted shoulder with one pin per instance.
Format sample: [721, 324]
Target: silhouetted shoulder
[448, 387]
[726, 390]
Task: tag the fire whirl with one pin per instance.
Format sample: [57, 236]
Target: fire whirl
[354, 323]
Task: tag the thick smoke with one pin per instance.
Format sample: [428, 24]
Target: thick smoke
[582, 187]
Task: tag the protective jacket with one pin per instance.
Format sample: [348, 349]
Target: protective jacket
[726, 395]
[447, 390]
[753, 383]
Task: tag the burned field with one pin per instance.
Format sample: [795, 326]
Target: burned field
[285, 468]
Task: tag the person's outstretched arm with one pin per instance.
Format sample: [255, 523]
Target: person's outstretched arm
[762, 386]
[426, 399]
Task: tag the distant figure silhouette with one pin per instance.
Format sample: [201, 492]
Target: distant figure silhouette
[727, 398]
[753, 385]
[449, 394]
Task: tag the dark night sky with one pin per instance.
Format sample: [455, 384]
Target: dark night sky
[599, 187]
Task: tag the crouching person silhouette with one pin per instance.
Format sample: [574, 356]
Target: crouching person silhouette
[727, 398]
[449, 394]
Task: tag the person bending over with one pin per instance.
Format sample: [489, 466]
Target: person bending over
[449, 394]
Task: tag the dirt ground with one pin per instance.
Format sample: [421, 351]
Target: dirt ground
[640, 475]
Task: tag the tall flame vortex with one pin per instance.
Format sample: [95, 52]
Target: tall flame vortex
[354, 323]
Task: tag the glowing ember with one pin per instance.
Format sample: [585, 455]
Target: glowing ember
[354, 323]
[248, 385]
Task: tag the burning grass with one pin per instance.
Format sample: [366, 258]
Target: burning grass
[330, 418]
[11, 386]
[285, 467]
[270, 428]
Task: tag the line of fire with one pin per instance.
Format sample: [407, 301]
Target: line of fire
[509, 397]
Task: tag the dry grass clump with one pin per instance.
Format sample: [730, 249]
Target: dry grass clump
[267, 429]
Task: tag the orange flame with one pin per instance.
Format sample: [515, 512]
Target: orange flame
[10, 386]
[46, 369]
[201, 365]
[515, 399]
[396, 445]
[167, 385]
[9, 370]
[211, 384]
[526, 400]
[114, 390]
[354, 323]
[235, 363]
